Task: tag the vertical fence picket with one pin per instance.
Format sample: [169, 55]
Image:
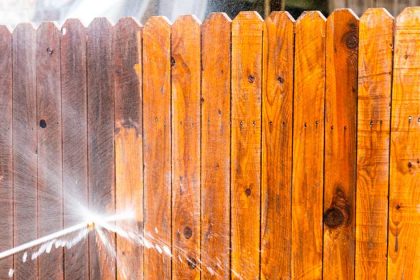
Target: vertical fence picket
[186, 68]
[247, 31]
[100, 81]
[277, 124]
[50, 193]
[404, 203]
[308, 146]
[24, 145]
[374, 97]
[74, 130]
[127, 63]
[340, 145]
[6, 171]
[157, 145]
[215, 147]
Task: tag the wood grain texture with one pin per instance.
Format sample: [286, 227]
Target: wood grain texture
[215, 147]
[277, 127]
[340, 145]
[100, 81]
[186, 68]
[6, 168]
[24, 132]
[157, 145]
[74, 130]
[126, 52]
[308, 146]
[247, 31]
[50, 192]
[374, 97]
[404, 204]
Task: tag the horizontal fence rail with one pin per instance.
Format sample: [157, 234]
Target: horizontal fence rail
[250, 148]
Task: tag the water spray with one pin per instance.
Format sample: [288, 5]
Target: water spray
[93, 222]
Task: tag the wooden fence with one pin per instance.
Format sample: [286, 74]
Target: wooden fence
[274, 149]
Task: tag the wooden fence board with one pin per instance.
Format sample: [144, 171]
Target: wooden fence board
[374, 97]
[277, 125]
[340, 145]
[48, 94]
[308, 146]
[6, 168]
[74, 130]
[24, 145]
[100, 81]
[404, 204]
[186, 68]
[126, 52]
[157, 144]
[247, 30]
[215, 147]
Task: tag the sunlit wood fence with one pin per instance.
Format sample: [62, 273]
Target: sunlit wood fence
[274, 149]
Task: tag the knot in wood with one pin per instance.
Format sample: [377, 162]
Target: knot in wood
[351, 40]
[192, 263]
[333, 217]
[187, 232]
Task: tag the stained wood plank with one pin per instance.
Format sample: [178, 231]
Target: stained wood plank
[24, 133]
[404, 204]
[308, 146]
[126, 52]
[215, 147]
[374, 97]
[48, 94]
[277, 126]
[6, 171]
[101, 181]
[247, 29]
[340, 145]
[157, 144]
[74, 131]
[186, 68]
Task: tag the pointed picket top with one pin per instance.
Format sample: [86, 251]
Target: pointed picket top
[24, 26]
[280, 16]
[409, 17]
[99, 22]
[127, 22]
[187, 19]
[342, 13]
[5, 29]
[72, 23]
[217, 17]
[312, 16]
[376, 13]
[248, 16]
[48, 26]
[158, 21]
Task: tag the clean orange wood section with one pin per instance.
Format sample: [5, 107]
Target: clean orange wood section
[308, 146]
[127, 63]
[186, 75]
[50, 208]
[74, 131]
[215, 147]
[6, 168]
[340, 145]
[247, 30]
[404, 203]
[157, 144]
[374, 98]
[277, 128]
